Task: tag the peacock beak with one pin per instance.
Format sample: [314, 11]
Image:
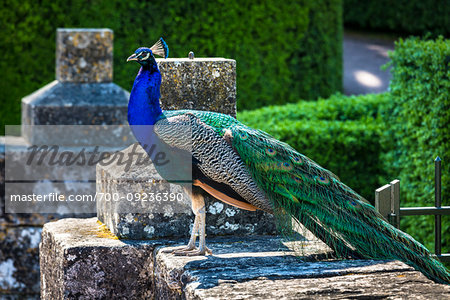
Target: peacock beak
[132, 57]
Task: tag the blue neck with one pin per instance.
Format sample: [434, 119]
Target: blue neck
[143, 107]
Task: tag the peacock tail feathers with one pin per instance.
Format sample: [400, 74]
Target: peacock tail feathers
[328, 208]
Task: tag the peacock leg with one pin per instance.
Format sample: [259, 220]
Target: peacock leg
[198, 207]
[191, 244]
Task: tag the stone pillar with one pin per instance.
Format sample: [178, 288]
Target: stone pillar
[202, 84]
[83, 92]
[158, 219]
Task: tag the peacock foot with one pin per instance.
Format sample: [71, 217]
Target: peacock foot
[185, 248]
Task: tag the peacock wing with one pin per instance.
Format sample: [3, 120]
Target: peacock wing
[219, 166]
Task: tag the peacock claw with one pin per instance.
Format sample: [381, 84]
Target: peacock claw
[184, 249]
[192, 252]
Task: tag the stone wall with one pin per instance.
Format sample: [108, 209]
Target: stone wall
[80, 260]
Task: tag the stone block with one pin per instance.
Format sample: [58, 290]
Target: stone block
[200, 83]
[80, 260]
[149, 220]
[84, 55]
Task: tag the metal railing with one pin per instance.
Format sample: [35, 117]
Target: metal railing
[387, 202]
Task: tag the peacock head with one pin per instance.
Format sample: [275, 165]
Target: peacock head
[145, 56]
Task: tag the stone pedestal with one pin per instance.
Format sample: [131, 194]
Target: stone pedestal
[80, 260]
[156, 219]
[83, 92]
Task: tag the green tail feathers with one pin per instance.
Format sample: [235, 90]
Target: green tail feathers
[365, 235]
[328, 208]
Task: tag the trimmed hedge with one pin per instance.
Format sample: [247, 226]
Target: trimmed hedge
[335, 108]
[342, 134]
[416, 17]
[283, 52]
[420, 89]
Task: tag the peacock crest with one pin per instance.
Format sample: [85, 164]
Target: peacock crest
[160, 48]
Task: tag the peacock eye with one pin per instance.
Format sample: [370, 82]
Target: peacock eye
[144, 55]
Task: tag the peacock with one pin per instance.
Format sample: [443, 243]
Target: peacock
[251, 170]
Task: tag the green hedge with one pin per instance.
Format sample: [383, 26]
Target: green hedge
[420, 89]
[343, 134]
[335, 108]
[283, 52]
[402, 16]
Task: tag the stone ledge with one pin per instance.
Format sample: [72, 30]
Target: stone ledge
[80, 260]
[259, 268]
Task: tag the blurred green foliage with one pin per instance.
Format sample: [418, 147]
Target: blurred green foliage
[417, 17]
[284, 51]
[342, 134]
[420, 127]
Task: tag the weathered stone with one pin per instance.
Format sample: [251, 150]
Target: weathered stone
[262, 268]
[149, 220]
[84, 55]
[76, 104]
[363, 283]
[19, 241]
[13, 219]
[72, 104]
[80, 260]
[19, 265]
[200, 83]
